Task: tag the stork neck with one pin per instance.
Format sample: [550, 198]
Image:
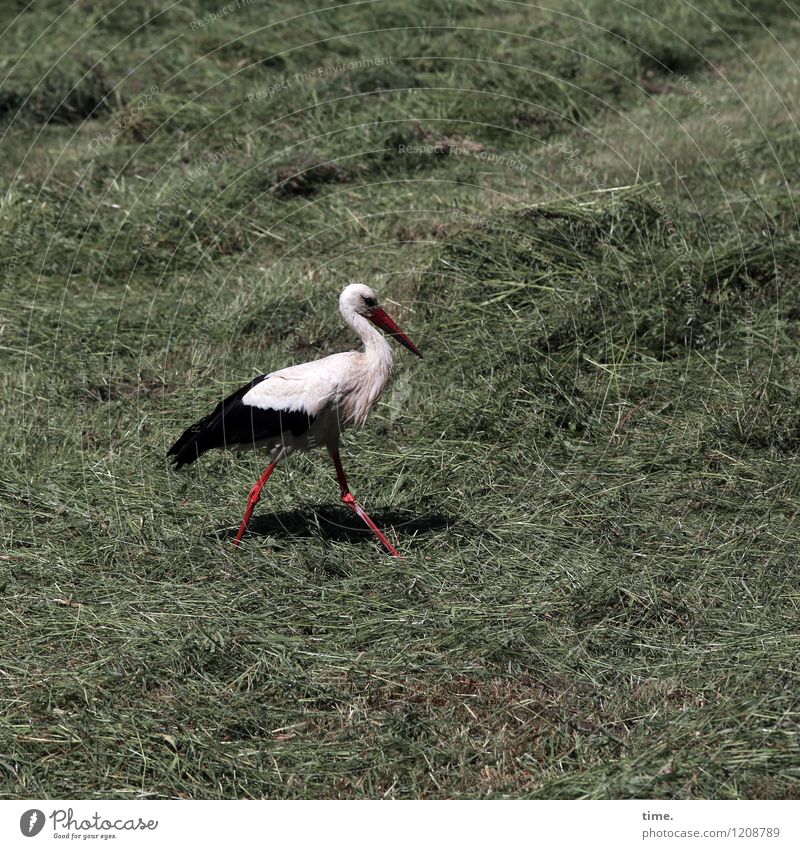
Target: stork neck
[376, 346]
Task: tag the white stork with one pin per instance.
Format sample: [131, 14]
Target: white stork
[305, 406]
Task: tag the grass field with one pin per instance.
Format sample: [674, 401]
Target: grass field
[586, 216]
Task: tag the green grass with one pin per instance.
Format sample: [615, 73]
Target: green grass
[592, 473]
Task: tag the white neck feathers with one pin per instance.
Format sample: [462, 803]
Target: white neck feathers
[372, 370]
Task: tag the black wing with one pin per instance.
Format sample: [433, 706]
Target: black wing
[233, 423]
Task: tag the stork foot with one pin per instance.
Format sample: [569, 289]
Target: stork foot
[350, 500]
[255, 494]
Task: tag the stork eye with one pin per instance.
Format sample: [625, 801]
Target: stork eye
[370, 302]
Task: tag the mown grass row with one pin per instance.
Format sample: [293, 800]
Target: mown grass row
[138, 109]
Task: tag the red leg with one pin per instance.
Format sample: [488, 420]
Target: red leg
[255, 494]
[350, 500]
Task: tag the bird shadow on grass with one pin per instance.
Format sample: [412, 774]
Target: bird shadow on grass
[338, 523]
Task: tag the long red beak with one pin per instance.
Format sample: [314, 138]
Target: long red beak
[380, 318]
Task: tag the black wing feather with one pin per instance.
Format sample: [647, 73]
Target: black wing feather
[233, 423]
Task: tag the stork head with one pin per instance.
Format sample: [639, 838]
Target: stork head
[360, 299]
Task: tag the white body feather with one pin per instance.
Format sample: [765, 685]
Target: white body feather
[339, 391]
